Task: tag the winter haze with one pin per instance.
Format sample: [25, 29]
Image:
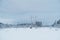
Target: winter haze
[22, 11]
[12, 11]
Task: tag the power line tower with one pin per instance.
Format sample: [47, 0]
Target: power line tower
[33, 21]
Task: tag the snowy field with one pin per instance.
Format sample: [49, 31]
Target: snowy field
[30, 34]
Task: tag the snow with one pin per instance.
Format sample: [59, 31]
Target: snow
[30, 34]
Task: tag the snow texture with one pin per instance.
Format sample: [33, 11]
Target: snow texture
[30, 34]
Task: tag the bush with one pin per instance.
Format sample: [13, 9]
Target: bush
[39, 23]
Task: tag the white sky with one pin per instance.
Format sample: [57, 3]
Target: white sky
[22, 10]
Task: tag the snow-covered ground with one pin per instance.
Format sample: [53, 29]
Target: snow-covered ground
[30, 34]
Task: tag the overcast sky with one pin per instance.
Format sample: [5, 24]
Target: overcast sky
[21, 10]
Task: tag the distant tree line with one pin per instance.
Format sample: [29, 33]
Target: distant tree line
[36, 24]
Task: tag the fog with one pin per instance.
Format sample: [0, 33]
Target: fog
[22, 10]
